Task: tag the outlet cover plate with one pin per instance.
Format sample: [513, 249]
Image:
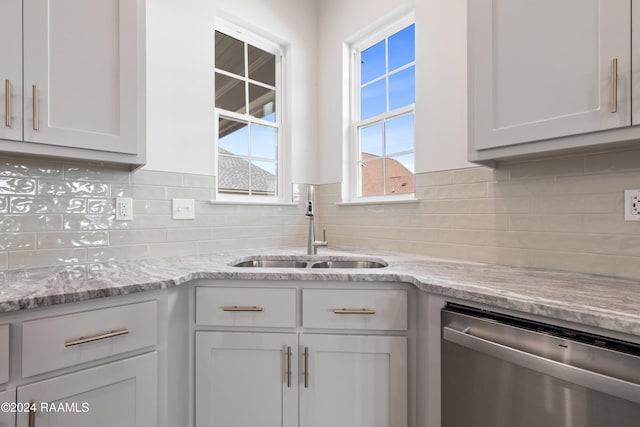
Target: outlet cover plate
[184, 209]
[632, 205]
[124, 208]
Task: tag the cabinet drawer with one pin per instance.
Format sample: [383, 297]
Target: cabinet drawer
[62, 341]
[4, 354]
[268, 307]
[354, 309]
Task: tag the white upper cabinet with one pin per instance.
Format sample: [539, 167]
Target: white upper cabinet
[83, 85]
[546, 69]
[11, 69]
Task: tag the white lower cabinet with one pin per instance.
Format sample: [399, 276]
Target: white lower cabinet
[246, 379]
[353, 381]
[118, 394]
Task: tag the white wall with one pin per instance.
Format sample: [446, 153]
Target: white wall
[180, 41]
[441, 90]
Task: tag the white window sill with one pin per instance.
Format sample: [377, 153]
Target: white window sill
[251, 203]
[378, 202]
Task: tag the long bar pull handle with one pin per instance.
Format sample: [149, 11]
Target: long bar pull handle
[614, 85]
[245, 308]
[32, 414]
[353, 311]
[7, 103]
[289, 367]
[588, 379]
[306, 367]
[84, 340]
[34, 89]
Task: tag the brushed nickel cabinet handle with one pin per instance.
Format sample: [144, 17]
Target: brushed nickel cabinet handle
[614, 85]
[306, 367]
[353, 311]
[34, 89]
[7, 103]
[84, 340]
[289, 367]
[245, 308]
[32, 414]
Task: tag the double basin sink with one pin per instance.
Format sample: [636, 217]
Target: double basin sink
[302, 262]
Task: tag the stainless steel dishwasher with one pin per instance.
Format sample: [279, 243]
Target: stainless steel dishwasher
[503, 371]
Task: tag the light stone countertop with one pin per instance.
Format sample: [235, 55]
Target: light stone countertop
[598, 301]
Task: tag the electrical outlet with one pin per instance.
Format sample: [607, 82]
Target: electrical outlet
[632, 205]
[124, 208]
[184, 209]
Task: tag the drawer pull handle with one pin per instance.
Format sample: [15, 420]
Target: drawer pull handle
[353, 311]
[289, 367]
[32, 414]
[7, 103]
[306, 367]
[83, 340]
[34, 89]
[614, 85]
[238, 308]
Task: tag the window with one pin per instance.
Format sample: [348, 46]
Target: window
[248, 111]
[382, 145]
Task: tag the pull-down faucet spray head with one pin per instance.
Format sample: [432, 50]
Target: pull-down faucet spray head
[311, 201]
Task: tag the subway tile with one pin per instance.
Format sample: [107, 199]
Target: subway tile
[500, 205]
[609, 224]
[434, 178]
[149, 177]
[580, 203]
[135, 237]
[479, 174]
[93, 222]
[101, 206]
[30, 168]
[598, 183]
[72, 239]
[613, 161]
[41, 205]
[444, 206]
[189, 234]
[140, 192]
[561, 223]
[30, 223]
[46, 258]
[190, 193]
[198, 181]
[18, 186]
[172, 249]
[426, 193]
[481, 221]
[72, 189]
[17, 241]
[520, 188]
[462, 191]
[4, 204]
[102, 174]
[153, 207]
[117, 253]
[547, 167]
[4, 262]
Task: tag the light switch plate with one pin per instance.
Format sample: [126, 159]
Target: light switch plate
[184, 209]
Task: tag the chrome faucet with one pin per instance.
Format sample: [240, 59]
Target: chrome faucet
[312, 243]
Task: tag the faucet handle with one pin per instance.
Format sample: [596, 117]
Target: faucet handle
[322, 242]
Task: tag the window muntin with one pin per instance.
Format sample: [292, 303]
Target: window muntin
[384, 125]
[248, 120]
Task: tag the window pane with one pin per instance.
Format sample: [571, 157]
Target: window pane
[400, 178]
[372, 63]
[229, 54]
[402, 48]
[262, 65]
[233, 137]
[233, 174]
[371, 178]
[262, 102]
[373, 100]
[263, 142]
[230, 94]
[402, 88]
[399, 134]
[263, 177]
[371, 140]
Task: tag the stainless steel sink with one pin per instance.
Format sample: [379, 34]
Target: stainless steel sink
[306, 262]
[348, 264]
[272, 263]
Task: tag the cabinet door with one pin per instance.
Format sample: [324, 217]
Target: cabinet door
[353, 381]
[122, 393]
[11, 69]
[7, 418]
[543, 69]
[84, 57]
[242, 379]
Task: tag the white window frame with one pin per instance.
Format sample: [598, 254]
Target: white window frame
[283, 181]
[352, 183]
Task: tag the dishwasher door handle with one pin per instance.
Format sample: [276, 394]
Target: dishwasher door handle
[582, 377]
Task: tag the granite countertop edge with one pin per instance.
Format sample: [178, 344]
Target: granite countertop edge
[604, 302]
